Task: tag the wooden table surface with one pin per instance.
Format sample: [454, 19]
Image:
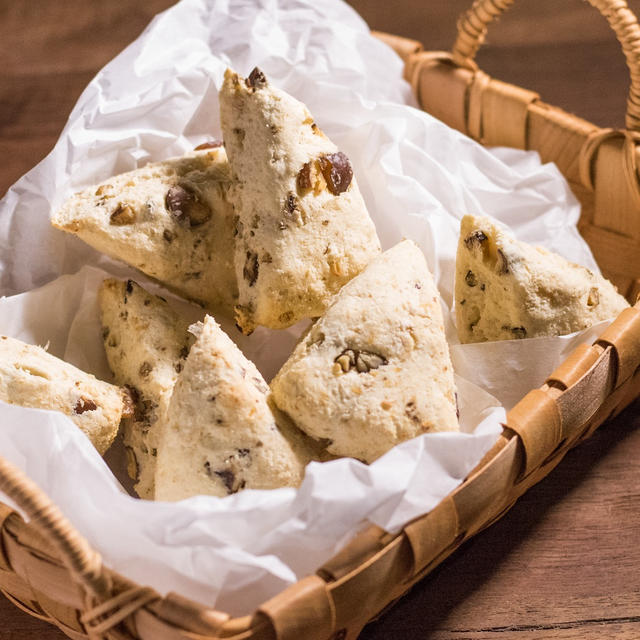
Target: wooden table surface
[565, 561]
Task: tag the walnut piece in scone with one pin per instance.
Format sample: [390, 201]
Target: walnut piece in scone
[374, 370]
[31, 377]
[302, 229]
[506, 289]
[170, 219]
[146, 343]
[220, 435]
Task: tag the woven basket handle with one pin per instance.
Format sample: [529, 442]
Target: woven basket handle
[472, 28]
[84, 564]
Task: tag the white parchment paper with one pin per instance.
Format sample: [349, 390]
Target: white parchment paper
[157, 99]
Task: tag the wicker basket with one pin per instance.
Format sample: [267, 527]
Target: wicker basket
[50, 571]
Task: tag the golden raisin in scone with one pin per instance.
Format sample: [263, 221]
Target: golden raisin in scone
[170, 219]
[221, 435]
[374, 370]
[506, 289]
[303, 229]
[146, 343]
[31, 377]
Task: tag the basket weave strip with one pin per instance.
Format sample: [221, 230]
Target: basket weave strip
[83, 562]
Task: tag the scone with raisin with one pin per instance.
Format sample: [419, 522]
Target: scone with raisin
[374, 370]
[506, 289]
[221, 435]
[146, 343]
[170, 219]
[303, 229]
[31, 377]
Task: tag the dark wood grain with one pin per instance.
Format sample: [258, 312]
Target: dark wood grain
[564, 563]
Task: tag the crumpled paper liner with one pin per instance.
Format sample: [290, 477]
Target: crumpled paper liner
[158, 99]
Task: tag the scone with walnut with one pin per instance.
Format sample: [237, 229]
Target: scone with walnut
[374, 370]
[170, 219]
[506, 289]
[303, 229]
[31, 377]
[221, 435]
[146, 343]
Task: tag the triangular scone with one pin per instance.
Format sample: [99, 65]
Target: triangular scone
[31, 377]
[507, 289]
[220, 435]
[374, 370]
[146, 343]
[303, 229]
[170, 219]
